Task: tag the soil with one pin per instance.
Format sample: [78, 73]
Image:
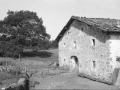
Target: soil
[62, 79]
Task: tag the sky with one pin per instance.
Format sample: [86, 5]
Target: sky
[56, 13]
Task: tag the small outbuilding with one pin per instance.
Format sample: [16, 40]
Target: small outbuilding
[90, 47]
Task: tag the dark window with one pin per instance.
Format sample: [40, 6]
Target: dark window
[68, 33]
[82, 29]
[93, 41]
[94, 64]
[75, 44]
[64, 44]
[118, 59]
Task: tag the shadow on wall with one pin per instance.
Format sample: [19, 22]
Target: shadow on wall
[42, 54]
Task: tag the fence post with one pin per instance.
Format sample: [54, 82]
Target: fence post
[20, 64]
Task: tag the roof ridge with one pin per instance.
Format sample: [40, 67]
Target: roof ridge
[104, 24]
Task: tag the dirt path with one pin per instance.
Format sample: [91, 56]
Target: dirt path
[67, 80]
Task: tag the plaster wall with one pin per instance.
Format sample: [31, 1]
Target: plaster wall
[115, 49]
[92, 48]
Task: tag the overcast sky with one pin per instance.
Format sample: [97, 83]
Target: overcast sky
[56, 13]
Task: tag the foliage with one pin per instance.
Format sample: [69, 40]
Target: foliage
[10, 49]
[53, 44]
[22, 29]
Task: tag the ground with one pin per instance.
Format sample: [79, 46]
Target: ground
[46, 76]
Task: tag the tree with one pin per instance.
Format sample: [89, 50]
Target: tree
[53, 44]
[22, 29]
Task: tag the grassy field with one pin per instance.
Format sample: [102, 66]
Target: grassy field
[31, 61]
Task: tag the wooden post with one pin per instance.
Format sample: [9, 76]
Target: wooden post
[19, 57]
[20, 61]
[6, 69]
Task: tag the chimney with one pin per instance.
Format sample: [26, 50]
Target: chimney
[118, 23]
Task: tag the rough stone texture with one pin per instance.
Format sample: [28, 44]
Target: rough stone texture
[118, 77]
[115, 54]
[94, 50]
[22, 84]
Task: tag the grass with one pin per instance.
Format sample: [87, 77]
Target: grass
[43, 56]
[10, 73]
[7, 78]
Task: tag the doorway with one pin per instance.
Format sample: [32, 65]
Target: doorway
[74, 64]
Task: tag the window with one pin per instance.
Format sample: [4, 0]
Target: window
[64, 44]
[118, 59]
[93, 42]
[82, 29]
[68, 33]
[94, 64]
[75, 44]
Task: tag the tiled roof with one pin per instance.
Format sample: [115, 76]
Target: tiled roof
[105, 24]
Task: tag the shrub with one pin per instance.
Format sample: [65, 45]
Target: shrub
[9, 49]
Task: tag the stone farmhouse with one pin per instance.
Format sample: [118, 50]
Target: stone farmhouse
[90, 47]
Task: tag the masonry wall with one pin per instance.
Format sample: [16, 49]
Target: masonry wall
[115, 49]
[115, 56]
[92, 48]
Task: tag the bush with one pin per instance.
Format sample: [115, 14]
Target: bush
[8, 49]
[53, 44]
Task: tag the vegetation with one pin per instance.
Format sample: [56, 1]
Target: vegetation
[10, 71]
[20, 30]
[53, 44]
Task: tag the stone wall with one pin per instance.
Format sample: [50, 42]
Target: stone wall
[92, 48]
[115, 55]
[115, 49]
[22, 84]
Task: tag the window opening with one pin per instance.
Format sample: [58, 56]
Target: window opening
[68, 33]
[64, 44]
[82, 29]
[94, 65]
[93, 42]
[118, 59]
[75, 45]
